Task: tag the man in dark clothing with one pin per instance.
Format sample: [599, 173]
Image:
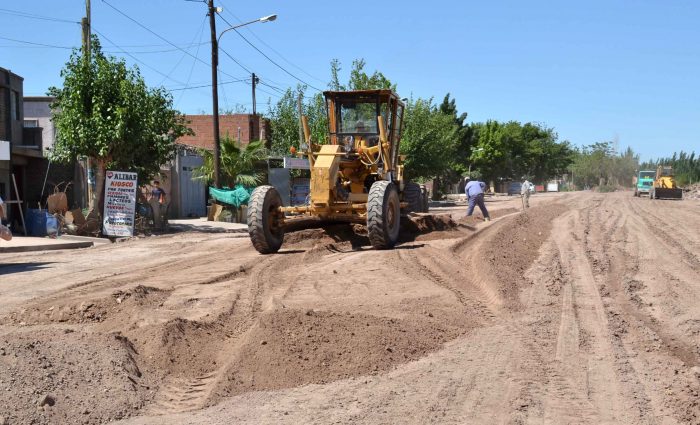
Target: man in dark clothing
[157, 193]
[158, 205]
[475, 196]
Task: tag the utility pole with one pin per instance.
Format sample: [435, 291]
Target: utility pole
[301, 123]
[87, 57]
[215, 91]
[255, 81]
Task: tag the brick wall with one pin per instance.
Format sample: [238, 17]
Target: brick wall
[228, 124]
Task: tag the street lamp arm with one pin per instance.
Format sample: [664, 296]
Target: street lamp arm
[268, 18]
[233, 28]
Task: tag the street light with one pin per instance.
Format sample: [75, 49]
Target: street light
[268, 18]
[214, 79]
[470, 163]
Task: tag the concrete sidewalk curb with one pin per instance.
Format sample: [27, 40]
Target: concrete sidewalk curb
[45, 246]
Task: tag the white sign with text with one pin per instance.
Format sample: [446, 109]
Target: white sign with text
[120, 203]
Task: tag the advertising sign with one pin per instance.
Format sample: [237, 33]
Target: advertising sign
[120, 203]
[296, 163]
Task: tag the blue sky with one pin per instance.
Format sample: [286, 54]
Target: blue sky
[595, 71]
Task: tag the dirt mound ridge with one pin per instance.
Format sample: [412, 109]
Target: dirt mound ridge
[293, 348]
[115, 306]
[514, 247]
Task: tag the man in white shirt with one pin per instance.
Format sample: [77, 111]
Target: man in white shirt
[525, 193]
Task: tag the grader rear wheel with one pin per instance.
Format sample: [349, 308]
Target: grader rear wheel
[383, 215]
[412, 195]
[264, 220]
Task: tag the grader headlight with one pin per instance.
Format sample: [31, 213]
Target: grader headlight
[349, 143]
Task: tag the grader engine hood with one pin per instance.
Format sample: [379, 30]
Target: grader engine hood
[325, 174]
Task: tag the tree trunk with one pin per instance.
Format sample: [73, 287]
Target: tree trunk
[97, 202]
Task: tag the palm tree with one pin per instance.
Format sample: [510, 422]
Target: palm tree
[237, 164]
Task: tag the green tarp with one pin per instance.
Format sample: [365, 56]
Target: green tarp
[236, 197]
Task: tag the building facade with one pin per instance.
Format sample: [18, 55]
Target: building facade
[240, 127]
[11, 117]
[38, 125]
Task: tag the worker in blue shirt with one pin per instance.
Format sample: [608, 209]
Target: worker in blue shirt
[475, 196]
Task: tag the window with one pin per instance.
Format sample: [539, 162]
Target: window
[14, 105]
[358, 117]
[31, 123]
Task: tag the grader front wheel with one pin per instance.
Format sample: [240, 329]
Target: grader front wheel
[264, 220]
[383, 215]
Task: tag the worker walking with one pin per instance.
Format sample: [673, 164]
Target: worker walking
[475, 196]
[525, 193]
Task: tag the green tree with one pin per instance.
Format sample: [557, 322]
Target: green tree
[238, 165]
[105, 112]
[599, 165]
[360, 80]
[512, 151]
[429, 140]
[284, 120]
[686, 166]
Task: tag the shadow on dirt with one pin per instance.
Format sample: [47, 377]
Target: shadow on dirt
[201, 228]
[22, 267]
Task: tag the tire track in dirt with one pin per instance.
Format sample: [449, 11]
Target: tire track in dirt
[449, 274]
[181, 393]
[640, 339]
[664, 230]
[586, 384]
[265, 290]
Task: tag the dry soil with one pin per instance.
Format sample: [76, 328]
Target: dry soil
[583, 309]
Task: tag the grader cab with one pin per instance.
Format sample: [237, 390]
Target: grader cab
[357, 177]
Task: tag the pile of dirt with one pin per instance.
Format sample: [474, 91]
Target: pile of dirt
[515, 246]
[692, 191]
[57, 376]
[81, 311]
[292, 348]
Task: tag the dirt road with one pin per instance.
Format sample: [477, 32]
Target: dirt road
[584, 309]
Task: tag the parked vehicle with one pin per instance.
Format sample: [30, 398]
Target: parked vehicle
[645, 181]
[514, 188]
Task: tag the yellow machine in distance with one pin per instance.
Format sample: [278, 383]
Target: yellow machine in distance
[358, 177]
[664, 186]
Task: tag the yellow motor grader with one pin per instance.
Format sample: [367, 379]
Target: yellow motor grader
[358, 177]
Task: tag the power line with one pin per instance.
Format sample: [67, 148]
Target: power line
[268, 58]
[159, 36]
[34, 16]
[237, 62]
[272, 48]
[194, 63]
[53, 46]
[183, 56]
[36, 45]
[135, 58]
[272, 87]
[207, 85]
